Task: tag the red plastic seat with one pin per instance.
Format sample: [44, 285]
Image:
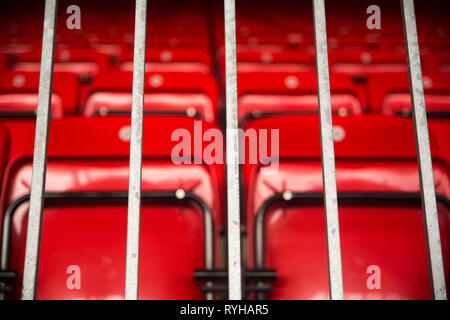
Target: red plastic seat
[14, 85]
[91, 157]
[190, 104]
[381, 221]
[366, 63]
[390, 93]
[194, 94]
[81, 60]
[25, 104]
[400, 103]
[255, 106]
[295, 92]
[18, 104]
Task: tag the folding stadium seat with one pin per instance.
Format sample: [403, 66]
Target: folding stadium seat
[381, 221]
[85, 214]
[189, 93]
[264, 93]
[390, 94]
[18, 103]
[84, 61]
[18, 115]
[14, 85]
[366, 63]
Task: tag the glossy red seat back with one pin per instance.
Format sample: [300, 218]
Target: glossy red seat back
[381, 222]
[92, 156]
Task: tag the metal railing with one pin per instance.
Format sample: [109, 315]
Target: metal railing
[40, 154]
[232, 154]
[327, 151]
[137, 123]
[423, 152]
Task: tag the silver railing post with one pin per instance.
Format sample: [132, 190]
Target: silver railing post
[431, 221]
[327, 148]
[137, 122]
[33, 241]
[232, 156]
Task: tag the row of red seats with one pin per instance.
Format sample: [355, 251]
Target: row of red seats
[253, 61]
[377, 181]
[109, 22]
[183, 207]
[289, 24]
[353, 62]
[195, 93]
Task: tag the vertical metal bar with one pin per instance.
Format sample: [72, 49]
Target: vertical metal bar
[134, 188]
[232, 156]
[328, 165]
[33, 241]
[431, 222]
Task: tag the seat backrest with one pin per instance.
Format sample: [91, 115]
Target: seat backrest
[366, 63]
[291, 92]
[191, 93]
[85, 212]
[81, 60]
[381, 222]
[390, 93]
[13, 86]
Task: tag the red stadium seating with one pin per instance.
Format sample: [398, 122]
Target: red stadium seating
[293, 92]
[366, 63]
[198, 91]
[380, 215]
[65, 89]
[389, 93]
[183, 205]
[85, 215]
[82, 61]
